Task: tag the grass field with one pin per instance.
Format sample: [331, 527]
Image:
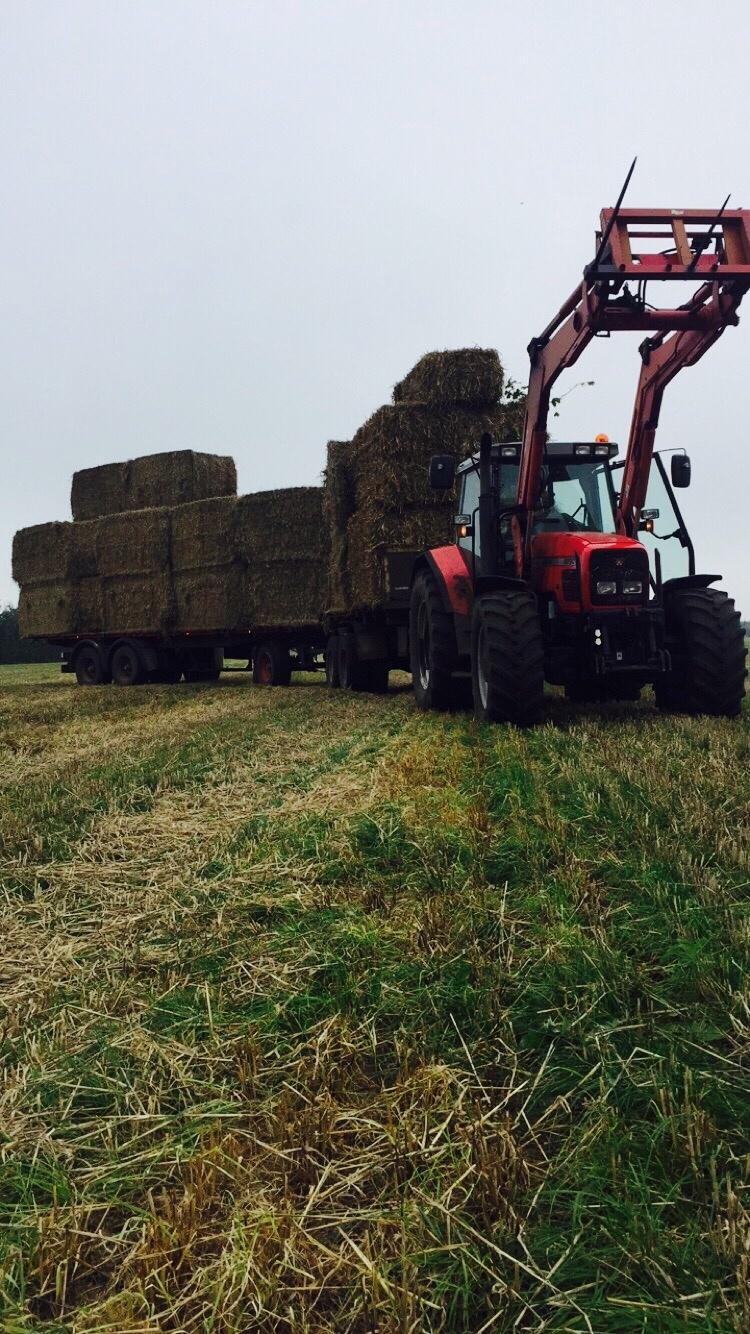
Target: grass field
[320, 1014]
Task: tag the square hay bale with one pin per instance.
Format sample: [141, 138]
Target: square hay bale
[46, 610]
[392, 451]
[88, 605]
[203, 533]
[134, 542]
[286, 524]
[370, 535]
[338, 592]
[42, 553]
[175, 477]
[100, 490]
[215, 598]
[286, 592]
[138, 602]
[470, 376]
[178, 477]
[338, 486]
[84, 559]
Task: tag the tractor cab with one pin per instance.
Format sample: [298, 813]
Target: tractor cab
[576, 508]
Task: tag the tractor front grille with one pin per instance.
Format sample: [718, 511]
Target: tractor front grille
[619, 569]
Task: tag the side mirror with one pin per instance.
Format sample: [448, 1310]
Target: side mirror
[442, 471]
[680, 470]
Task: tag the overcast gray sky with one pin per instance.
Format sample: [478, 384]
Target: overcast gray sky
[231, 226]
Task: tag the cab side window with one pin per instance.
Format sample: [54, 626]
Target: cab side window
[469, 506]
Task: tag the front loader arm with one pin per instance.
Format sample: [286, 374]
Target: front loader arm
[604, 304]
[661, 359]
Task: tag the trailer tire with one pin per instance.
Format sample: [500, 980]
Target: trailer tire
[126, 666]
[89, 666]
[272, 665]
[332, 662]
[708, 655]
[432, 644]
[507, 659]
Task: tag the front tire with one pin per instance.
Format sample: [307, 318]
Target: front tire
[708, 655]
[432, 644]
[507, 659]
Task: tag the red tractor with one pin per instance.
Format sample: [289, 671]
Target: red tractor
[569, 566]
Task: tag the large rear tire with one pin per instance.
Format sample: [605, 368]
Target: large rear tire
[432, 644]
[507, 659]
[708, 655]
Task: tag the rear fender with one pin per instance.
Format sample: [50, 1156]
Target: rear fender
[453, 578]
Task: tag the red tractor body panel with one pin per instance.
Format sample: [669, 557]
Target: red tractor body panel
[557, 555]
[453, 567]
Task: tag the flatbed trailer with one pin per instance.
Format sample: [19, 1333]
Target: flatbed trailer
[137, 658]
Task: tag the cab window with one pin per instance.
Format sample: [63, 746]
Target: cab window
[470, 507]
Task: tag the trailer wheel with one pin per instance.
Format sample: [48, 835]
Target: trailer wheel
[708, 655]
[353, 674]
[332, 662]
[432, 644]
[89, 667]
[507, 659]
[272, 665]
[126, 665]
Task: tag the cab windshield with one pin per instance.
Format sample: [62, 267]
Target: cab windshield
[573, 497]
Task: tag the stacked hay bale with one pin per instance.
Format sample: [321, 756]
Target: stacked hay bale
[208, 574]
[43, 558]
[442, 406]
[279, 538]
[151, 482]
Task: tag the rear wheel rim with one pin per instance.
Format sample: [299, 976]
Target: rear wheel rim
[90, 668]
[482, 682]
[265, 670]
[423, 647]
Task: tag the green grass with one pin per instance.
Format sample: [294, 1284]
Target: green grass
[318, 1013]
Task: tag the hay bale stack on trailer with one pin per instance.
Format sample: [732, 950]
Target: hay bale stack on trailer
[280, 540]
[152, 481]
[208, 575]
[442, 406]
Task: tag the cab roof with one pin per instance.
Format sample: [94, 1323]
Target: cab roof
[572, 451]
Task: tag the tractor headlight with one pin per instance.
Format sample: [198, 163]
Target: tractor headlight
[606, 587]
[632, 586]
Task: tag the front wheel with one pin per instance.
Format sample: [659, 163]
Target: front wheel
[507, 659]
[708, 655]
[432, 644]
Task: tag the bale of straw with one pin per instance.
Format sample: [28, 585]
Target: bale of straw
[214, 598]
[203, 533]
[392, 451]
[88, 605]
[470, 376]
[101, 490]
[133, 542]
[284, 524]
[178, 477]
[370, 536]
[175, 477]
[286, 593]
[42, 553]
[138, 603]
[338, 486]
[46, 610]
